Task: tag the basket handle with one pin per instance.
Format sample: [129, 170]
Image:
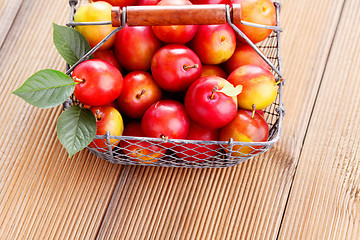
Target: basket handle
[159, 15]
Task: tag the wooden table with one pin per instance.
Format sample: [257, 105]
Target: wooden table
[306, 187]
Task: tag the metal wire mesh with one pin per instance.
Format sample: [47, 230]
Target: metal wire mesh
[145, 151]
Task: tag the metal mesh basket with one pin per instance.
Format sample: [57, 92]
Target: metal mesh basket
[194, 153]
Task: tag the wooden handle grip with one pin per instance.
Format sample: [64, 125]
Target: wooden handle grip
[159, 15]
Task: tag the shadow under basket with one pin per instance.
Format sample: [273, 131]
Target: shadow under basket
[146, 151]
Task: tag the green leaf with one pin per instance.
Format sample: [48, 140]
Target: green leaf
[46, 88]
[230, 90]
[76, 128]
[70, 43]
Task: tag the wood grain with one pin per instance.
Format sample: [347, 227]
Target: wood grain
[8, 11]
[246, 201]
[325, 199]
[44, 194]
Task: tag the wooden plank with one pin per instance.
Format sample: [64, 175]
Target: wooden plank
[8, 11]
[246, 201]
[38, 182]
[325, 199]
[44, 194]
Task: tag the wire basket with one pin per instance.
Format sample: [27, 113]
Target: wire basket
[146, 151]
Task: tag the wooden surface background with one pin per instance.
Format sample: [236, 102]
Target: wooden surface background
[306, 187]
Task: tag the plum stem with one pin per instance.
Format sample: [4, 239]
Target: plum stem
[253, 111]
[97, 115]
[78, 80]
[138, 96]
[280, 81]
[165, 138]
[192, 66]
[213, 92]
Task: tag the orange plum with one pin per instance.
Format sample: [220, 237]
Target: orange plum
[259, 86]
[95, 12]
[213, 70]
[214, 44]
[244, 55]
[256, 11]
[107, 119]
[245, 128]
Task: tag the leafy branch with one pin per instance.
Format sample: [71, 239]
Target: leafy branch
[76, 126]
